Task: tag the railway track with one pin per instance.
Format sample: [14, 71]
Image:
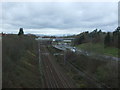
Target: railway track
[53, 77]
[68, 82]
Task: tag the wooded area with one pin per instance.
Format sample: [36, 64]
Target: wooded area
[109, 39]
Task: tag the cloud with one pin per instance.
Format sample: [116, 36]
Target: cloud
[62, 17]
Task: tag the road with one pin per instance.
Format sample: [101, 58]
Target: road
[86, 53]
[53, 74]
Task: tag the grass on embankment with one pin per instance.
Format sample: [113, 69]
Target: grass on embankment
[24, 74]
[20, 65]
[99, 48]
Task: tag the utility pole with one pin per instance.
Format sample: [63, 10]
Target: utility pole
[64, 56]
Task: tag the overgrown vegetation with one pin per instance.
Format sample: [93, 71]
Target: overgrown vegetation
[103, 72]
[20, 62]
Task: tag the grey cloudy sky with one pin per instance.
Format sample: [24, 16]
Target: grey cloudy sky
[58, 18]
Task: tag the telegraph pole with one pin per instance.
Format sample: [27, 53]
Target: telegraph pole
[64, 56]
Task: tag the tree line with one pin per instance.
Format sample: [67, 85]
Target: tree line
[109, 39]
